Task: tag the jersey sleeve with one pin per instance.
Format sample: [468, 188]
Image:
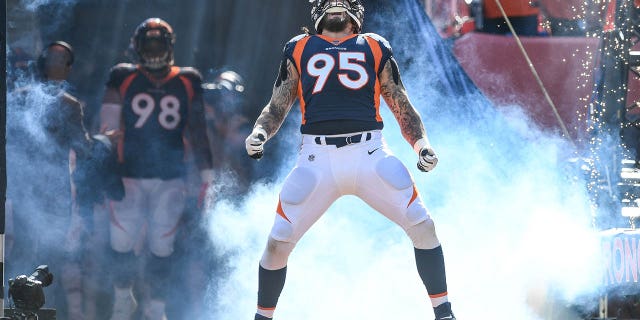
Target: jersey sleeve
[290, 46]
[194, 76]
[385, 47]
[118, 73]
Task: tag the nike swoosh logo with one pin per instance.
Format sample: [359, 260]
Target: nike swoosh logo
[372, 151]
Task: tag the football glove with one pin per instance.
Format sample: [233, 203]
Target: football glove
[427, 159]
[255, 143]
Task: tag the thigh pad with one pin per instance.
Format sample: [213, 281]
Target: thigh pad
[298, 186]
[394, 173]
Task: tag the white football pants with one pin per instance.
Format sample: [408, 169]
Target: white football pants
[324, 173]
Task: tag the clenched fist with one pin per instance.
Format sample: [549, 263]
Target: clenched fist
[427, 159]
[255, 143]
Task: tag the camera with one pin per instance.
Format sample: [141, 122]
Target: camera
[27, 294]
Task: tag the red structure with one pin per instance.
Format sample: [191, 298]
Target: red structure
[565, 65]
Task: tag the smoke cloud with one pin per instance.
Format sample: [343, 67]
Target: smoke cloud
[511, 211]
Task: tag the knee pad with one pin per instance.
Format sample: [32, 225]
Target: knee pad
[423, 235]
[296, 189]
[158, 271]
[416, 211]
[162, 247]
[124, 268]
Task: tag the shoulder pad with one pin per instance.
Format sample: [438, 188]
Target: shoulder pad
[297, 38]
[378, 38]
[292, 43]
[119, 72]
[123, 69]
[191, 73]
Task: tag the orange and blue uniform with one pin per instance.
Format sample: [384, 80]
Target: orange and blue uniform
[339, 90]
[154, 119]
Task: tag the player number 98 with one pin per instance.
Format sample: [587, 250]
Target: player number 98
[143, 105]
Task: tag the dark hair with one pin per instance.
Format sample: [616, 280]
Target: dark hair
[42, 59]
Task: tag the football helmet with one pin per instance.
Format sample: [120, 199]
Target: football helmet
[226, 91]
[153, 42]
[320, 8]
[228, 80]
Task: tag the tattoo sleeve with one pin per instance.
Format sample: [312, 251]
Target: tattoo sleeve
[395, 95]
[284, 94]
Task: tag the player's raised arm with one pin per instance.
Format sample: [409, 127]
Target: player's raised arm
[395, 95]
[274, 113]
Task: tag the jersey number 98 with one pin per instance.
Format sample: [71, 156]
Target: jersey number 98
[143, 105]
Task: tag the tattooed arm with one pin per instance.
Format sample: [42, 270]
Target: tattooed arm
[282, 98]
[273, 114]
[395, 96]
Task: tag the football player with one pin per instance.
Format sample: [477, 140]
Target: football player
[338, 76]
[158, 108]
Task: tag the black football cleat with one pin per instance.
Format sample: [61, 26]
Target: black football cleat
[443, 312]
[261, 317]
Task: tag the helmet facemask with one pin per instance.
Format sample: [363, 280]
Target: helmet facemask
[153, 42]
[353, 8]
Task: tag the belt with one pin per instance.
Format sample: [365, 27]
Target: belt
[344, 141]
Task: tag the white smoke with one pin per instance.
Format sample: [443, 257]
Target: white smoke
[514, 231]
[511, 211]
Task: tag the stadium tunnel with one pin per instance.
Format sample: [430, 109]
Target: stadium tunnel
[247, 36]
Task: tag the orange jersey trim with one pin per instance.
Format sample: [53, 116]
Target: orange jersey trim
[123, 90]
[303, 104]
[126, 83]
[281, 212]
[188, 86]
[172, 73]
[377, 52]
[377, 58]
[297, 59]
[336, 41]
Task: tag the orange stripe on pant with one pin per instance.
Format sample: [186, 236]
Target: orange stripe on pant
[281, 212]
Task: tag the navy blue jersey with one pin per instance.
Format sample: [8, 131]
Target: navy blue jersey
[339, 81]
[155, 116]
